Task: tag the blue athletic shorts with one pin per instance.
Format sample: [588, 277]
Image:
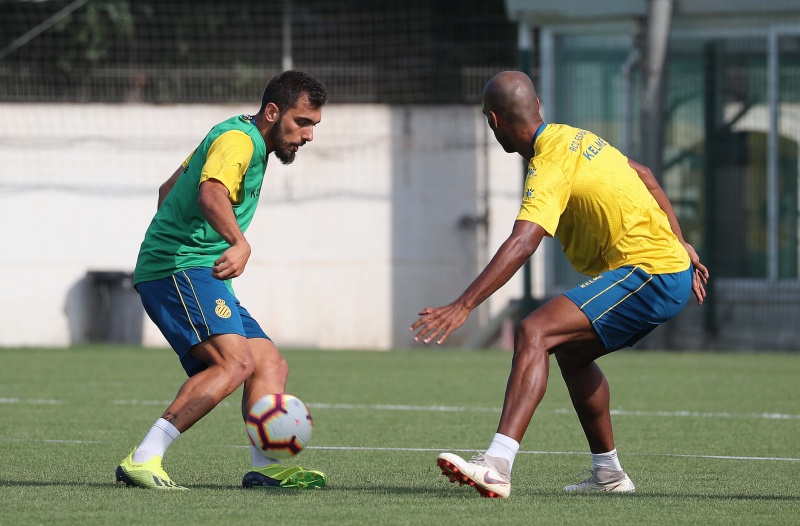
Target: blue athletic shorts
[189, 307]
[626, 304]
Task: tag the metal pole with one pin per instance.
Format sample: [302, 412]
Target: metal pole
[524, 47]
[773, 94]
[710, 223]
[547, 73]
[658, 27]
[287, 35]
[632, 61]
[547, 92]
[627, 89]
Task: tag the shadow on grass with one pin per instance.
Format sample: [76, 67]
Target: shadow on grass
[672, 496]
[448, 493]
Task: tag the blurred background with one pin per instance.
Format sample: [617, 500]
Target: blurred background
[403, 196]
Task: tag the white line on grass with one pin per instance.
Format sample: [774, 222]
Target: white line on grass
[395, 407]
[769, 416]
[459, 409]
[765, 416]
[723, 457]
[432, 450]
[420, 449]
[29, 401]
[47, 441]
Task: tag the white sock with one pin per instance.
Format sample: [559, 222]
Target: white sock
[259, 459]
[504, 447]
[606, 460]
[156, 442]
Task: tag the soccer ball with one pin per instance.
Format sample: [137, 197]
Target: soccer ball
[280, 425]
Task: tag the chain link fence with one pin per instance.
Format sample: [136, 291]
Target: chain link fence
[389, 51]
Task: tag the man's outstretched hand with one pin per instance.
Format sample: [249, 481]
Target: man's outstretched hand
[700, 277]
[439, 322]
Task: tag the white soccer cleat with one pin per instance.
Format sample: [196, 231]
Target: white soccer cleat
[604, 480]
[490, 476]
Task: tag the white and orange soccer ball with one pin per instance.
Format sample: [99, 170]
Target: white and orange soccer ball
[280, 425]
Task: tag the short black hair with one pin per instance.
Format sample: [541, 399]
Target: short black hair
[285, 89]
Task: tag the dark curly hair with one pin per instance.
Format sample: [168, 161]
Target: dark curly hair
[285, 89]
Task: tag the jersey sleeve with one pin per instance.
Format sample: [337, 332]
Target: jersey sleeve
[545, 195]
[186, 162]
[227, 161]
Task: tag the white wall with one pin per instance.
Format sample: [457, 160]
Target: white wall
[349, 242]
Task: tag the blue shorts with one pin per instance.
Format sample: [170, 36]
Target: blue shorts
[189, 307]
[626, 304]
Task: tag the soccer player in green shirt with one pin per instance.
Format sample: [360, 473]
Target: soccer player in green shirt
[192, 249]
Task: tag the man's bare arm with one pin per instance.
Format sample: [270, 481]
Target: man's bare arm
[165, 188]
[701, 272]
[512, 254]
[215, 204]
[659, 195]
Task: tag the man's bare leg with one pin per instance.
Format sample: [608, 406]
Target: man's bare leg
[555, 325]
[230, 364]
[558, 324]
[590, 394]
[269, 374]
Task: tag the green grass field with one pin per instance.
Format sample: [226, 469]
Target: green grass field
[707, 438]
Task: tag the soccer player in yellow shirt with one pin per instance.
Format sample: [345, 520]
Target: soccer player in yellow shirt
[616, 225]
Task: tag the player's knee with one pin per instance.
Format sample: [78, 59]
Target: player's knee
[528, 337]
[277, 367]
[282, 368]
[239, 367]
[270, 364]
[239, 372]
[246, 371]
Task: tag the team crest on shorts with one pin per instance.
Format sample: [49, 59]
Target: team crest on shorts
[222, 310]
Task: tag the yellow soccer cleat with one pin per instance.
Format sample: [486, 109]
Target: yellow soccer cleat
[148, 474]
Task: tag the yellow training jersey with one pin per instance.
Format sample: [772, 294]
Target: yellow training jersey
[582, 190]
[227, 161]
